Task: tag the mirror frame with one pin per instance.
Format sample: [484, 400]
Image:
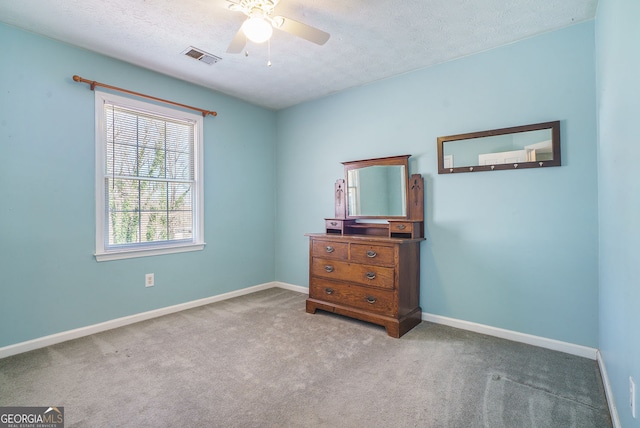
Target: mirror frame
[555, 143]
[402, 160]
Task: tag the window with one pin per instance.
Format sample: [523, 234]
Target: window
[149, 195]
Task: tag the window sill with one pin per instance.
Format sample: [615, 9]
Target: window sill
[145, 252]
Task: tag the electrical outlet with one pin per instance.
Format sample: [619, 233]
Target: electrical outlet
[632, 396]
[149, 280]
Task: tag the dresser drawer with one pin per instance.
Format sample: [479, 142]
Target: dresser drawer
[330, 250]
[333, 224]
[369, 299]
[334, 269]
[373, 276]
[372, 254]
[400, 227]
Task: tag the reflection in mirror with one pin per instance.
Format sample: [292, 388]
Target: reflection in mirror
[377, 191]
[509, 148]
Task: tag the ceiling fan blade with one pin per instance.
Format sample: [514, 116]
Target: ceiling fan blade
[238, 42]
[236, 7]
[299, 29]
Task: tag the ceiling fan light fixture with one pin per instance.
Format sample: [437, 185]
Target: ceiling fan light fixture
[257, 29]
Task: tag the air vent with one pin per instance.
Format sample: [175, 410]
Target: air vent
[201, 55]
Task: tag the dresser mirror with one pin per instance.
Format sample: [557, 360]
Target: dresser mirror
[377, 188]
[528, 146]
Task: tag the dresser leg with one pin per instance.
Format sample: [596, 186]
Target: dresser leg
[403, 325]
[393, 330]
[311, 308]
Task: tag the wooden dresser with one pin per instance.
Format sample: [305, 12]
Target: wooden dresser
[370, 270]
[370, 278]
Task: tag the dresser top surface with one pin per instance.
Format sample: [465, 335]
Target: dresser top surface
[356, 238]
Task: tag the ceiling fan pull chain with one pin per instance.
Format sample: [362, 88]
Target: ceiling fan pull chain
[269, 53]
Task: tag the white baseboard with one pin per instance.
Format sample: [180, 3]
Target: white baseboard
[42, 342]
[613, 410]
[543, 342]
[291, 287]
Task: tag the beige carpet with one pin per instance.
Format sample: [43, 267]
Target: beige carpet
[261, 361]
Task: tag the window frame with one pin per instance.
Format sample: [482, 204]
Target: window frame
[126, 251]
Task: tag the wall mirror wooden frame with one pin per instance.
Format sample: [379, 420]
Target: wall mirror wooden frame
[518, 147]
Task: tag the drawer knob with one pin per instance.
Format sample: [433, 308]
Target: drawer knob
[371, 300]
[329, 249]
[402, 227]
[371, 254]
[371, 275]
[328, 290]
[328, 268]
[334, 223]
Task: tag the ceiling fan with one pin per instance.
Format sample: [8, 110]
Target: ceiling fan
[259, 25]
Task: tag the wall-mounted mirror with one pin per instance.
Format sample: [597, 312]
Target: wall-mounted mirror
[529, 146]
[377, 187]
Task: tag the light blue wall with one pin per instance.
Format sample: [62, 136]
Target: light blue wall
[49, 279]
[618, 93]
[511, 249]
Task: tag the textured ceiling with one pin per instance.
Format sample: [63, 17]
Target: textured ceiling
[370, 40]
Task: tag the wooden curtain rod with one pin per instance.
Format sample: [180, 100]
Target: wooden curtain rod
[93, 85]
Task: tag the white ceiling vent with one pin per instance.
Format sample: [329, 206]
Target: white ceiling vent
[201, 55]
